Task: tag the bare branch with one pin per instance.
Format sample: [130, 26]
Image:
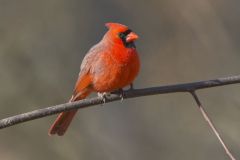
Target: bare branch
[185, 87]
[212, 126]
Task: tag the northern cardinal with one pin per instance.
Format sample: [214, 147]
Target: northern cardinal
[110, 65]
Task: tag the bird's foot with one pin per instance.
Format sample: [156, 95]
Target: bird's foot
[103, 96]
[121, 94]
[131, 87]
[121, 91]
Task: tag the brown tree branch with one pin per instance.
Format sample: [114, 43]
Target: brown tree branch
[212, 126]
[185, 87]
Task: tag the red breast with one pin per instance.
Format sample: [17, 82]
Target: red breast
[118, 64]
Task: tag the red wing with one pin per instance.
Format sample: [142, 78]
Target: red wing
[85, 76]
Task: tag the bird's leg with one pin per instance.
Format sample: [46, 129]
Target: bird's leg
[103, 95]
[121, 93]
[131, 87]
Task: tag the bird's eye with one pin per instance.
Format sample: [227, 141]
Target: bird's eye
[128, 31]
[123, 35]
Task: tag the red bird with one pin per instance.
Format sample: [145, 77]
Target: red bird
[110, 65]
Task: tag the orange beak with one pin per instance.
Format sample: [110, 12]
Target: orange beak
[131, 37]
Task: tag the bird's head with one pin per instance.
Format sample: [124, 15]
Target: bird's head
[121, 34]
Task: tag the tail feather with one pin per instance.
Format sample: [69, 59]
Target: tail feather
[62, 123]
[64, 119]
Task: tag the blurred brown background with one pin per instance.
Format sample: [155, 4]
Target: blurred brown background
[43, 42]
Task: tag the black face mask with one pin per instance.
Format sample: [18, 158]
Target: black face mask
[123, 36]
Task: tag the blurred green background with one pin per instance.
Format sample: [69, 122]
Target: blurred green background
[43, 42]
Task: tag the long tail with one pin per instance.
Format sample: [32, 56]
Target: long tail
[64, 119]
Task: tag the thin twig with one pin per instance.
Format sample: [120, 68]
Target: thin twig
[185, 87]
[212, 126]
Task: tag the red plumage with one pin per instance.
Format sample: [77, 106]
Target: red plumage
[111, 64]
